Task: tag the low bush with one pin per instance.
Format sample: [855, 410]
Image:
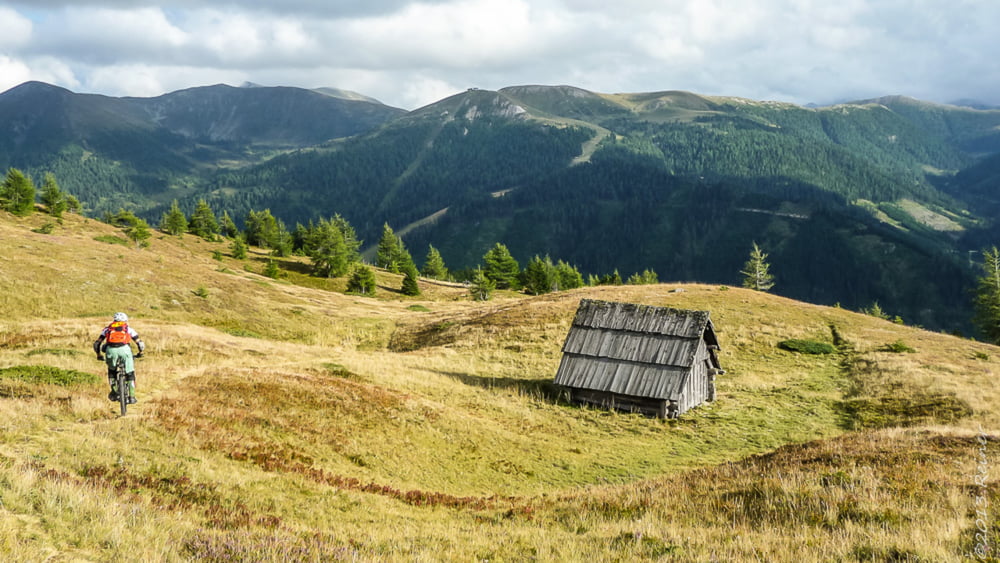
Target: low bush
[806, 346]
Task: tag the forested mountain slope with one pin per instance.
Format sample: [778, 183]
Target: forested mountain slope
[135, 152]
[874, 201]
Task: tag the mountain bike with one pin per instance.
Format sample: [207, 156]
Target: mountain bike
[121, 385]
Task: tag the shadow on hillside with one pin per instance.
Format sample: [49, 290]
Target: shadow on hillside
[545, 391]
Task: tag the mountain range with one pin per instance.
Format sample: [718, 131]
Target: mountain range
[877, 201]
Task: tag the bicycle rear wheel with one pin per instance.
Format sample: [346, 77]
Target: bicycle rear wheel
[122, 385]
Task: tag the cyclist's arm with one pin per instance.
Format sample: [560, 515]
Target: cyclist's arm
[138, 341]
[97, 345]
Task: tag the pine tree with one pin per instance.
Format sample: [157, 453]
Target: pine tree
[238, 247]
[17, 193]
[434, 267]
[261, 228]
[987, 300]
[481, 287]
[613, 278]
[362, 280]
[388, 255]
[203, 222]
[351, 242]
[501, 268]
[325, 245]
[174, 222]
[410, 286]
[539, 276]
[272, 270]
[568, 276]
[73, 204]
[53, 197]
[228, 226]
[755, 271]
[647, 277]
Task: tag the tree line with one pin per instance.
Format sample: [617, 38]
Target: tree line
[332, 246]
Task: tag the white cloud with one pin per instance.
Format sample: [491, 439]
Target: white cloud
[17, 29]
[409, 53]
[12, 73]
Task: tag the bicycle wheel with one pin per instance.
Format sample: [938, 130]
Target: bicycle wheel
[122, 385]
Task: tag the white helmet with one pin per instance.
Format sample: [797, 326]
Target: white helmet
[120, 318]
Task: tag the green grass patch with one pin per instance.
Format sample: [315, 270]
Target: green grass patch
[54, 352]
[49, 374]
[898, 347]
[419, 308]
[893, 411]
[242, 332]
[112, 239]
[806, 346]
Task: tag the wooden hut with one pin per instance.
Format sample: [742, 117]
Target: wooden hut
[655, 360]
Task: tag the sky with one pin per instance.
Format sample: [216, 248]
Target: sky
[409, 54]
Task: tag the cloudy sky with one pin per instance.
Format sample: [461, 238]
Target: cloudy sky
[409, 53]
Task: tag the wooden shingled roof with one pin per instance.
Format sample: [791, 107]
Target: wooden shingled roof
[630, 349]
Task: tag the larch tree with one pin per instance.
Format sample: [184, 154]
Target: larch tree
[434, 267]
[174, 222]
[203, 222]
[987, 300]
[53, 197]
[17, 193]
[756, 271]
[501, 268]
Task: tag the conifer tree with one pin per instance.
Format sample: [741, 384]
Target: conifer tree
[351, 242]
[238, 247]
[434, 267]
[568, 276]
[272, 270]
[325, 246]
[261, 228]
[387, 254]
[174, 222]
[362, 280]
[228, 226]
[647, 277]
[135, 228]
[73, 204]
[756, 274]
[987, 300]
[481, 287]
[539, 276]
[410, 286]
[613, 278]
[53, 197]
[501, 268]
[17, 193]
[203, 222]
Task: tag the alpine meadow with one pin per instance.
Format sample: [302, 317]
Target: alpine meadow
[353, 316]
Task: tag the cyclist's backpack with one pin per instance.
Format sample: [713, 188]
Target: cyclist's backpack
[118, 333]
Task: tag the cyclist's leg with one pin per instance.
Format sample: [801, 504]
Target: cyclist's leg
[110, 360]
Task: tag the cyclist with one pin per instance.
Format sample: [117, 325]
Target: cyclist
[114, 343]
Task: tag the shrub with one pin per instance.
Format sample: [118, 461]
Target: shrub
[49, 374]
[806, 346]
[898, 347]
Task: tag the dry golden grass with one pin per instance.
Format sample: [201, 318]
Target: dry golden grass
[284, 420]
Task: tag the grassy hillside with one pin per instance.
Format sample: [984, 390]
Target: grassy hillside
[285, 420]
